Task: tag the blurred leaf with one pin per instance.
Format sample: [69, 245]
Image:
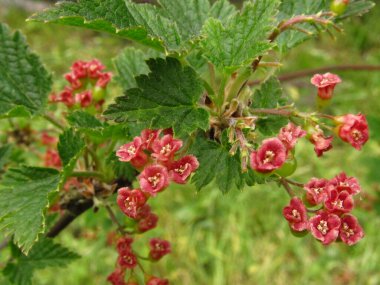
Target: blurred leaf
[45, 253]
[24, 82]
[374, 123]
[243, 38]
[270, 95]
[216, 163]
[83, 120]
[23, 200]
[357, 8]
[5, 153]
[166, 97]
[271, 124]
[121, 169]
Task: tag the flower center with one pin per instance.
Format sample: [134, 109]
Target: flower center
[166, 149]
[322, 227]
[181, 169]
[349, 232]
[131, 150]
[318, 190]
[295, 214]
[154, 180]
[338, 204]
[130, 203]
[269, 155]
[357, 135]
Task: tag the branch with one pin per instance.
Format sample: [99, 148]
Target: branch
[287, 187]
[53, 121]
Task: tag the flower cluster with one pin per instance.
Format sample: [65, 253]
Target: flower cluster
[87, 85]
[333, 220]
[51, 157]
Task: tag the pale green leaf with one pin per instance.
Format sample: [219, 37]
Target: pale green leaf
[5, 153]
[222, 10]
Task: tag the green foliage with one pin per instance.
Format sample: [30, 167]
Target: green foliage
[357, 8]
[24, 82]
[121, 169]
[5, 153]
[216, 163]
[222, 10]
[243, 38]
[70, 146]
[23, 199]
[166, 97]
[83, 120]
[45, 253]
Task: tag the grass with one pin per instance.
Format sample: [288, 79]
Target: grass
[240, 238]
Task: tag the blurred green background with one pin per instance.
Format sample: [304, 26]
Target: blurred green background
[239, 238]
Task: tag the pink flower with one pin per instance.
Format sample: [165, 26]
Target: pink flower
[158, 248]
[290, 134]
[104, 79]
[181, 169]
[326, 84]
[325, 227]
[338, 202]
[127, 259]
[84, 98]
[350, 231]
[148, 137]
[143, 212]
[321, 143]
[52, 159]
[48, 140]
[73, 80]
[79, 69]
[270, 156]
[94, 68]
[117, 277]
[316, 190]
[66, 97]
[130, 201]
[157, 281]
[154, 179]
[353, 129]
[147, 223]
[343, 183]
[133, 152]
[165, 148]
[124, 244]
[296, 215]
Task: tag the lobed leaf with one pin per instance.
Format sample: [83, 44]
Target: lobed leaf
[357, 8]
[83, 120]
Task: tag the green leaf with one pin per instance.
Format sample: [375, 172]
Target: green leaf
[23, 199]
[357, 8]
[222, 10]
[70, 146]
[142, 23]
[83, 120]
[45, 253]
[166, 97]
[5, 153]
[270, 95]
[24, 82]
[243, 38]
[270, 125]
[216, 163]
[121, 169]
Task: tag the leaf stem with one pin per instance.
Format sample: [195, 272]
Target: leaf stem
[53, 121]
[112, 215]
[287, 187]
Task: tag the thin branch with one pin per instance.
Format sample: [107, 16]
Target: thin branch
[120, 228]
[53, 121]
[279, 112]
[287, 187]
[298, 184]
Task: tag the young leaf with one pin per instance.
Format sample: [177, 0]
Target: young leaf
[45, 253]
[23, 198]
[83, 120]
[166, 97]
[243, 38]
[216, 163]
[24, 82]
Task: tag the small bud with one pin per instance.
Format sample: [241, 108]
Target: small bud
[339, 6]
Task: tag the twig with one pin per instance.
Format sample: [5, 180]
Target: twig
[120, 228]
[287, 187]
[53, 121]
[298, 184]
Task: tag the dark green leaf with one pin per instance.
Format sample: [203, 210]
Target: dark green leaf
[5, 153]
[70, 146]
[121, 169]
[24, 82]
[167, 97]
[222, 10]
[270, 95]
[83, 120]
[23, 198]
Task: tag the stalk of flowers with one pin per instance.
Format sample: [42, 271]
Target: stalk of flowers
[335, 201]
[87, 85]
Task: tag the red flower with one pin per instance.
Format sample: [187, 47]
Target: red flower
[124, 244]
[154, 179]
[79, 69]
[117, 277]
[181, 169]
[290, 134]
[127, 259]
[338, 202]
[52, 159]
[343, 183]
[353, 129]
[66, 97]
[130, 201]
[73, 80]
[157, 281]
[326, 84]
[133, 152]
[165, 148]
[84, 98]
[316, 190]
[158, 248]
[143, 212]
[94, 68]
[270, 156]
[350, 231]
[148, 137]
[296, 215]
[48, 140]
[147, 223]
[325, 227]
[321, 143]
[104, 79]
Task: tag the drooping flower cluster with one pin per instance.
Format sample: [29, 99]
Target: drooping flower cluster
[87, 85]
[333, 220]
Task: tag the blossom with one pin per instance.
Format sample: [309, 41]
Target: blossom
[290, 134]
[316, 190]
[343, 183]
[157, 281]
[84, 98]
[74, 81]
[124, 244]
[133, 152]
[165, 148]
[325, 227]
[350, 230]
[66, 97]
[295, 213]
[148, 137]
[338, 202]
[79, 69]
[117, 277]
[326, 84]
[270, 156]
[48, 140]
[158, 248]
[321, 143]
[153, 179]
[127, 259]
[130, 201]
[94, 68]
[147, 223]
[353, 129]
[143, 212]
[181, 169]
[104, 79]
[52, 159]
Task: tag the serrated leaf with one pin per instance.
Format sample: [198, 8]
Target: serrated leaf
[216, 164]
[222, 10]
[271, 124]
[166, 97]
[45, 253]
[121, 169]
[24, 82]
[243, 38]
[5, 153]
[142, 23]
[357, 8]
[270, 95]
[70, 146]
[23, 198]
[83, 120]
